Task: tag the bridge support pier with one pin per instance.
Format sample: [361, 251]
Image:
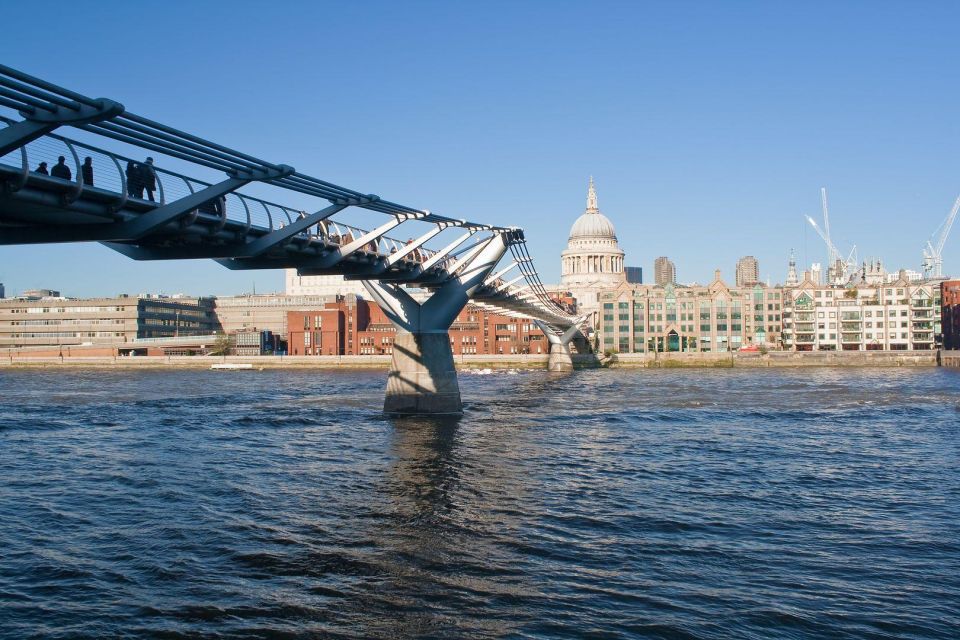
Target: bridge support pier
[423, 378]
[560, 358]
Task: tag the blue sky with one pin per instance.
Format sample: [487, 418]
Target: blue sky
[709, 126]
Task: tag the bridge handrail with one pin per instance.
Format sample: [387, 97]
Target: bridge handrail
[189, 181]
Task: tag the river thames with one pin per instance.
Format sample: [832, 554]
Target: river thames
[611, 503]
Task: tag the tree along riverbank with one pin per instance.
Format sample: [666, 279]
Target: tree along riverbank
[517, 361]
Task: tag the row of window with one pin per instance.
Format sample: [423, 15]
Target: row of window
[69, 334]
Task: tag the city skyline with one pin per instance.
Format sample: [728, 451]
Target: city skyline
[702, 150]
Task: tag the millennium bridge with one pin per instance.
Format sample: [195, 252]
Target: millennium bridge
[55, 189]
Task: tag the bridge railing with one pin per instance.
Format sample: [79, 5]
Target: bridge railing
[112, 172]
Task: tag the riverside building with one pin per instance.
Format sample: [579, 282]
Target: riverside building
[353, 326]
[58, 321]
[264, 312]
[950, 313]
[893, 316]
[711, 318]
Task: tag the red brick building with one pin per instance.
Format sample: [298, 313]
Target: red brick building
[358, 327]
[950, 313]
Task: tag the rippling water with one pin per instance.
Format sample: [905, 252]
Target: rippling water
[617, 504]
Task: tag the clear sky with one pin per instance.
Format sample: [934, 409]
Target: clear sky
[708, 126]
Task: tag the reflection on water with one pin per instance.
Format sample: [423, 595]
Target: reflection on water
[708, 504]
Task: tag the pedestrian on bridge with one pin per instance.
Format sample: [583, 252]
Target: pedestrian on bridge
[134, 186]
[61, 170]
[86, 170]
[43, 169]
[148, 178]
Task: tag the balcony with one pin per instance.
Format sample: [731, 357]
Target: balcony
[805, 338]
[850, 326]
[850, 337]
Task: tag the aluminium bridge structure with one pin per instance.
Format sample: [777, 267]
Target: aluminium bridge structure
[421, 284]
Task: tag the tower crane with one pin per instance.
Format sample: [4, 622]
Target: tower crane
[834, 254]
[840, 268]
[932, 258]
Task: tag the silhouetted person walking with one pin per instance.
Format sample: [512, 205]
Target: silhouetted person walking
[61, 170]
[43, 169]
[148, 178]
[134, 188]
[86, 170]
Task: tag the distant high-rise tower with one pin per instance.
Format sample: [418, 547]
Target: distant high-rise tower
[634, 274]
[792, 278]
[664, 271]
[816, 273]
[748, 271]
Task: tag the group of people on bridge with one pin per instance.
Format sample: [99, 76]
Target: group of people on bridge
[141, 176]
[62, 171]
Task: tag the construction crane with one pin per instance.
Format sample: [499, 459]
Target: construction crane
[932, 258]
[834, 255]
[840, 269]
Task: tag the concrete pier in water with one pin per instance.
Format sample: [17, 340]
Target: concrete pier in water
[422, 376]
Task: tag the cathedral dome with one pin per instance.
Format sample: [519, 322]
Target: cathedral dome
[592, 224]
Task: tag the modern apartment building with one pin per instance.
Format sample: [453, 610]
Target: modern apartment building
[352, 326]
[716, 317]
[62, 321]
[901, 315]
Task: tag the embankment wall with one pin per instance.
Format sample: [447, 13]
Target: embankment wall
[536, 361]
